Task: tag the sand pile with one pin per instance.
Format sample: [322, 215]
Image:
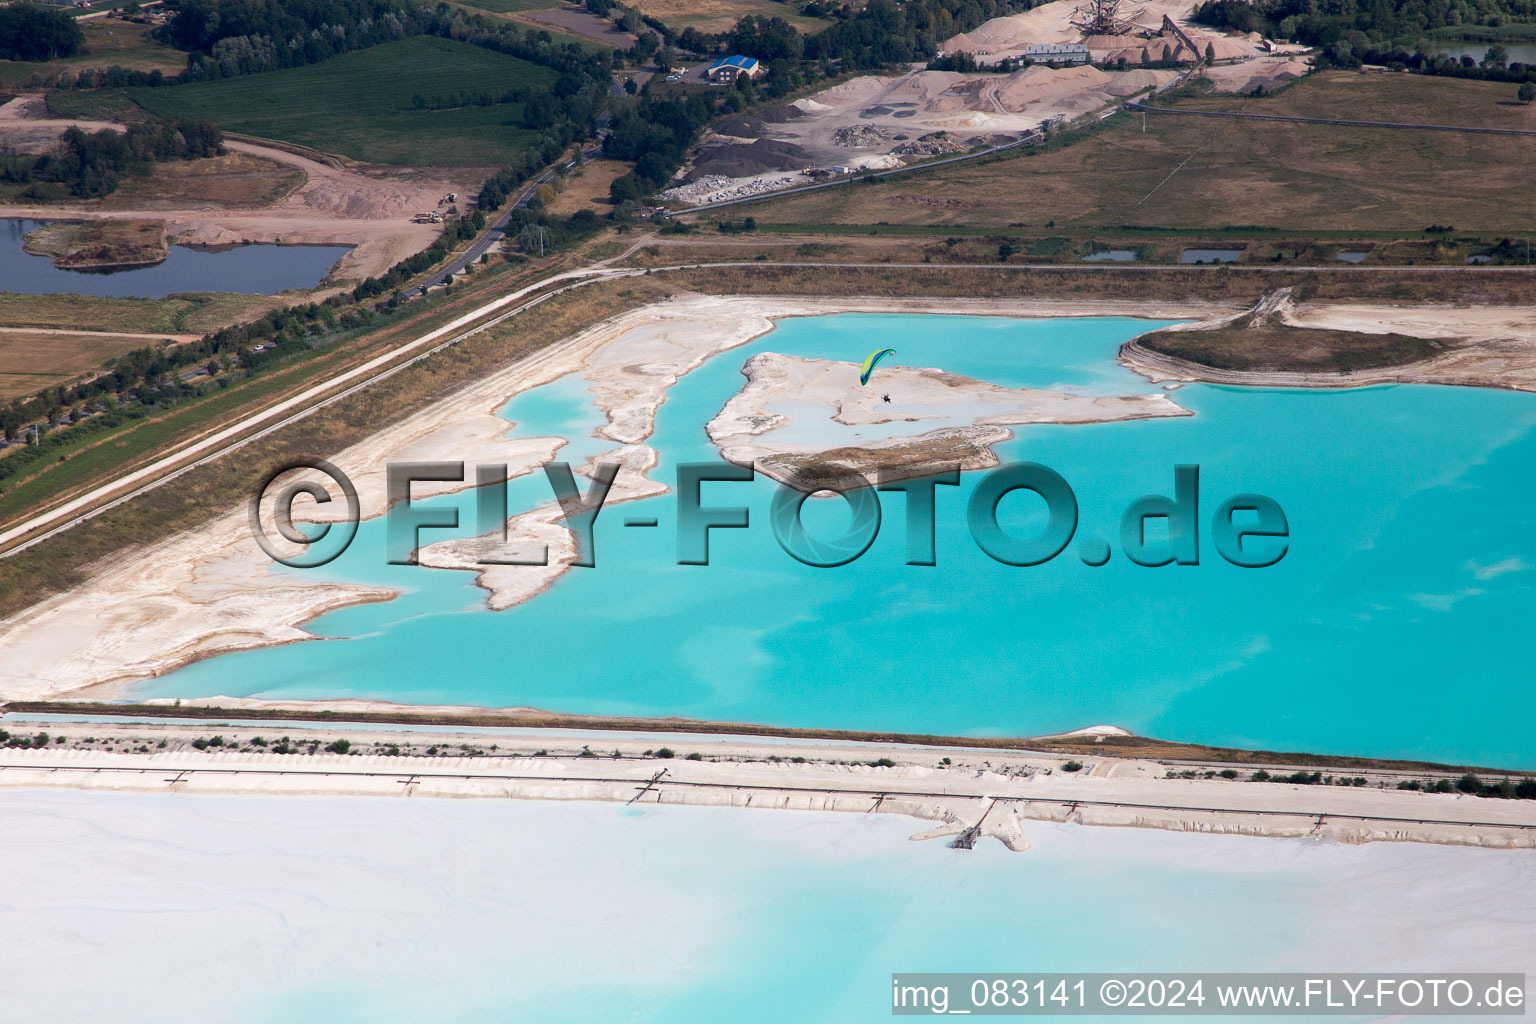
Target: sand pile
[1269, 72]
[1080, 88]
[1052, 24]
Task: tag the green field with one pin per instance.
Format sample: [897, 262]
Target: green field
[508, 6]
[360, 104]
[108, 41]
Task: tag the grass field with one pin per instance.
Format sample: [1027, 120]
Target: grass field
[31, 360]
[1210, 173]
[505, 6]
[586, 188]
[108, 41]
[181, 314]
[367, 108]
[721, 15]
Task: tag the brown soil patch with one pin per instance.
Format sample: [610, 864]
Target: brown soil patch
[237, 181]
[587, 188]
[1277, 348]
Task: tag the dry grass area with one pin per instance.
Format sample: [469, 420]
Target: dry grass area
[1224, 284]
[1278, 348]
[20, 385]
[136, 316]
[63, 561]
[100, 243]
[587, 187]
[32, 360]
[236, 181]
[1210, 173]
[721, 15]
[182, 314]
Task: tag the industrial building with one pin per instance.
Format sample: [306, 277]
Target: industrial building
[1052, 53]
[728, 69]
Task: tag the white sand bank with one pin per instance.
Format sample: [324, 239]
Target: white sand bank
[390, 912]
[796, 412]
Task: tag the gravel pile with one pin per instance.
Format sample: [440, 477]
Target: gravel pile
[861, 136]
[745, 161]
[937, 144]
[718, 188]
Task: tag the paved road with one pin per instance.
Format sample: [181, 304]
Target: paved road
[497, 230]
[168, 467]
[1329, 120]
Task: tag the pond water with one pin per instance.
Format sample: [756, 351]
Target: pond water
[246, 269]
[1524, 53]
[1351, 257]
[1409, 575]
[1113, 255]
[1210, 255]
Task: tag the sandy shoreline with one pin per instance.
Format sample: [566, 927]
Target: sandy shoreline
[1489, 346]
[212, 591]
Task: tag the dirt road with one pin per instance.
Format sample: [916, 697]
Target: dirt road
[369, 210]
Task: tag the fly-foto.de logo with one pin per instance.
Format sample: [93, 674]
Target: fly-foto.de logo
[1247, 530]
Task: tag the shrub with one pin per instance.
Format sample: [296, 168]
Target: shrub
[338, 747]
[695, 756]
[1072, 766]
[666, 752]
[1469, 783]
[884, 762]
[1259, 776]
[1229, 773]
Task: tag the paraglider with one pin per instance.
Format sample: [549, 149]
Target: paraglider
[869, 363]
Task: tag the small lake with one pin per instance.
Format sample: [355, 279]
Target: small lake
[246, 269]
[1524, 53]
[1351, 257]
[1113, 256]
[1210, 255]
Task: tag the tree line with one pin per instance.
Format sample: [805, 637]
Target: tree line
[1361, 24]
[35, 33]
[88, 166]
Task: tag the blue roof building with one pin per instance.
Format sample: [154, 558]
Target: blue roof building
[728, 69]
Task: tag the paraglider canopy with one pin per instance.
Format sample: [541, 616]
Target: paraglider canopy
[869, 363]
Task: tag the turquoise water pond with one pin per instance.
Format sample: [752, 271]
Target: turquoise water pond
[1396, 625]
